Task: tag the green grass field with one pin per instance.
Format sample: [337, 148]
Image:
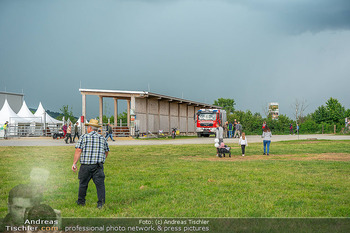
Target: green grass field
[298, 179]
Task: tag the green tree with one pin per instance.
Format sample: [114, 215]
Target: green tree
[121, 116]
[227, 104]
[67, 114]
[332, 113]
[347, 113]
[336, 111]
[320, 115]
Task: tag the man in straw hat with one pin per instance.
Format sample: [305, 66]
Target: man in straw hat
[92, 150]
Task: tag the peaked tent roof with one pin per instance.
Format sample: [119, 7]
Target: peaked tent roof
[7, 114]
[49, 120]
[27, 114]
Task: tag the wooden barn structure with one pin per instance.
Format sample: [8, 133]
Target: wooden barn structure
[151, 111]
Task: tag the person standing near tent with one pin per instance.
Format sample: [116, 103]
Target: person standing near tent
[5, 129]
[76, 131]
[69, 133]
[64, 128]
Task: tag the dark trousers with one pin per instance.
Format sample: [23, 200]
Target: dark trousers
[109, 136]
[76, 134]
[69, 135]
[94, 172]
[243, 149]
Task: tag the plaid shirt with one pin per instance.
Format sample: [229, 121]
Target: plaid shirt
[93, 146]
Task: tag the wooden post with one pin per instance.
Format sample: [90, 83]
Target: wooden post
[128, 113]
[115, 112]
[101, 109]
[83, 113]
[187, 120]
[147, 117]
[159, 115]
[178, 116]
[335, 129]
[169, 119]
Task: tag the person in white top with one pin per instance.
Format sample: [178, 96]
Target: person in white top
[267, 140]
[243, 142]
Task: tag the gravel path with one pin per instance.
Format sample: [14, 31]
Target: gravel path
[128, 141]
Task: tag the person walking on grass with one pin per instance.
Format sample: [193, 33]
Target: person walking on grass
[243, 142]
[92, 150]
[267, 140]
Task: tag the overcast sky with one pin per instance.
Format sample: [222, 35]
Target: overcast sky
[252, 51]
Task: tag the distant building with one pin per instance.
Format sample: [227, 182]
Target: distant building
[15, 100]
[274, 110]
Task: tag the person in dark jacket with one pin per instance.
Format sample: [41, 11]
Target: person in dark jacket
[109, 133]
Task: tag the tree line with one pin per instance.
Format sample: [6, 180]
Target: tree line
[67, 113]
[322, 120]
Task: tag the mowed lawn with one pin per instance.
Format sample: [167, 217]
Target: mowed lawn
[298, 179]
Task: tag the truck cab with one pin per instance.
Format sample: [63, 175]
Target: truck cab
[207, 120]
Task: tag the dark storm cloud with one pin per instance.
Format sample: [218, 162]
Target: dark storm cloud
[298, 16]
[177, 48]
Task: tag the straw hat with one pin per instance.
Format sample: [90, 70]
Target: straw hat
[93, 122]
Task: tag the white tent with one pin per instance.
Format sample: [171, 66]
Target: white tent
[7, 114]
[25, 113]
[40, 112]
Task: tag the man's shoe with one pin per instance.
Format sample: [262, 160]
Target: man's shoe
[99, 206]
[81, 204]
[264, 154]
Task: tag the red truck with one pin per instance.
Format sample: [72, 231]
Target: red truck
[207, 120]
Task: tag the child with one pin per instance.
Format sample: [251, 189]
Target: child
[243, 142]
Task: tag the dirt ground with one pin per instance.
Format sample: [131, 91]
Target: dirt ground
[302, 157]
